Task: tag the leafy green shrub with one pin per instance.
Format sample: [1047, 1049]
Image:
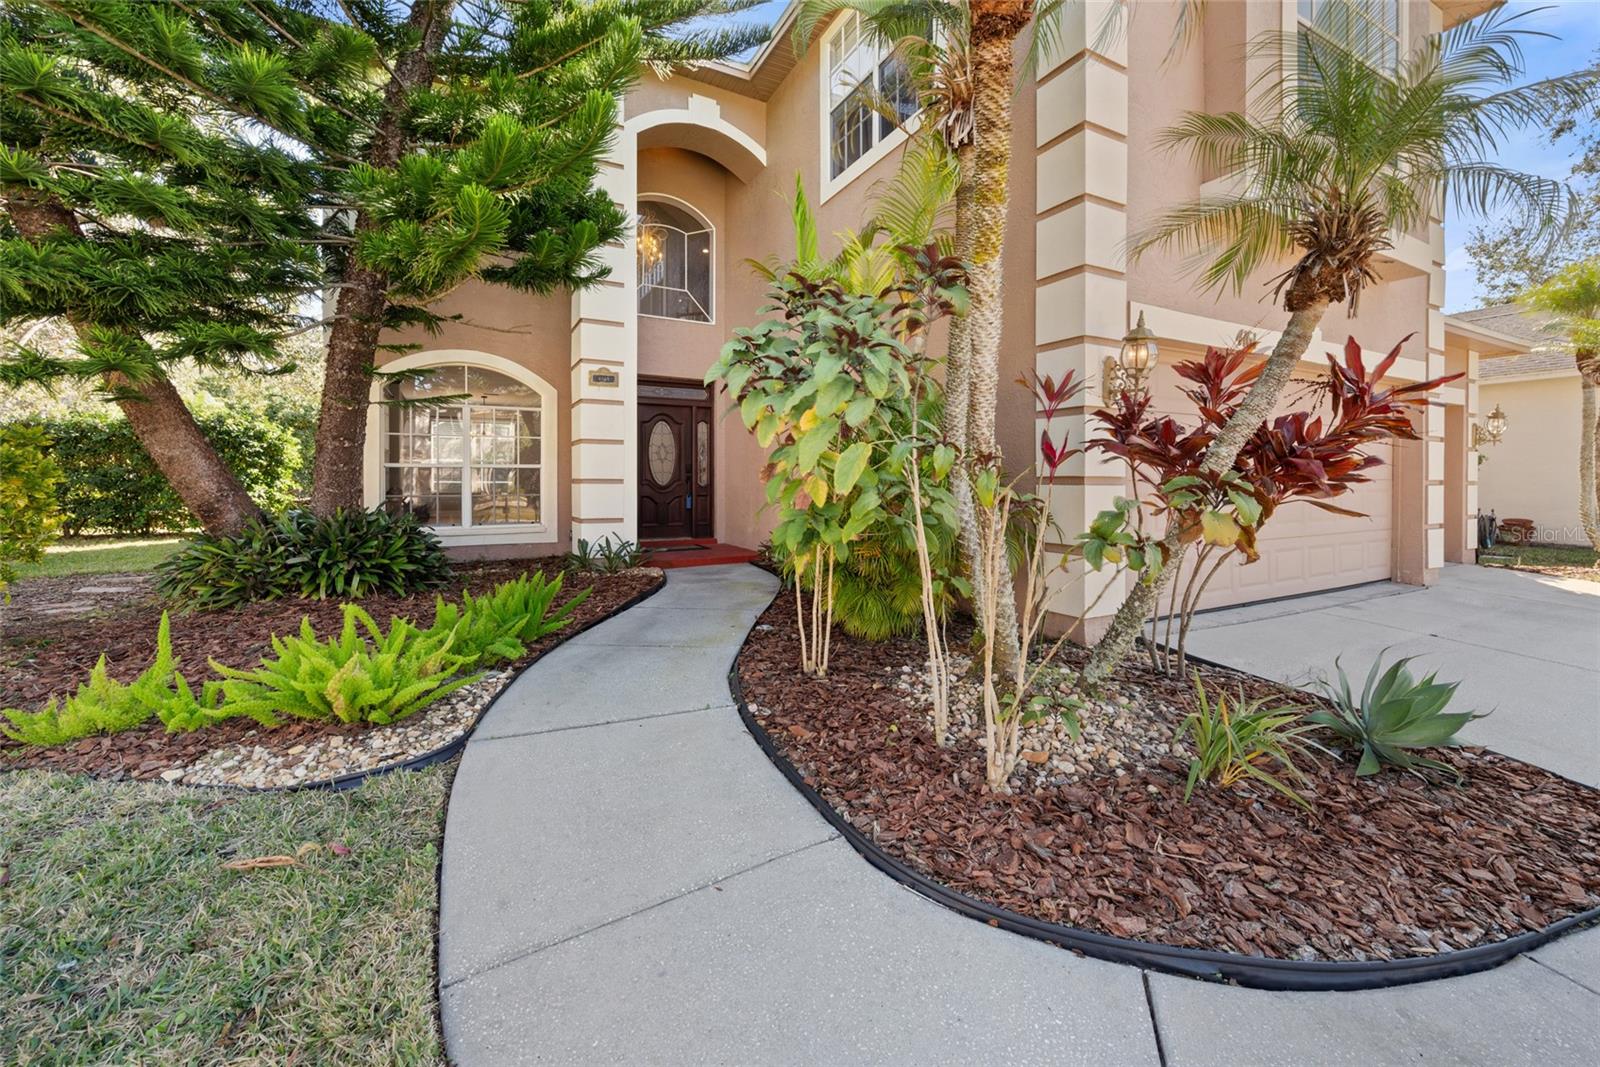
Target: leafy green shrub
[605, 556]
[29, 517]
[110, 485]
[501, 624]
[1233, 738]
[102, 705]
[1393, 716]
[348, 554]
[363, 675]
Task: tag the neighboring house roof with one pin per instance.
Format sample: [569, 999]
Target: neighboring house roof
[1540, 355]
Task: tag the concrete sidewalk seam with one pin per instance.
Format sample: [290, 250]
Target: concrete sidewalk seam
[1562, 974]
[607, 722]
[534, 950]
[1155, 1024]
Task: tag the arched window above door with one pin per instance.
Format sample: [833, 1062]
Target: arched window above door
[676, 253]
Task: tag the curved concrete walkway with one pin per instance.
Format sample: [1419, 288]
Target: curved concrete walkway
[627, 880]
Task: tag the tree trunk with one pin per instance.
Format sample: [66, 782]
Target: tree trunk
[1589, 446]
[1126, 625]
[338, 456]
[158, 416]
[957, 383]
[995, 25]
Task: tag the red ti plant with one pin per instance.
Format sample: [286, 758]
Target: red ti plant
[1307, 455]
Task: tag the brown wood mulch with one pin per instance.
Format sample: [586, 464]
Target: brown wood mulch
[1385, 867]
[51, 657]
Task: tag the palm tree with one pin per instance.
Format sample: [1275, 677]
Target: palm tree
[1571, 299]
[1330, 163]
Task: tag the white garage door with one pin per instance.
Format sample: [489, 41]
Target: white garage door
[1303, 548]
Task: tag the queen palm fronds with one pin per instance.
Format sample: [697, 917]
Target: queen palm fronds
[1338, 154]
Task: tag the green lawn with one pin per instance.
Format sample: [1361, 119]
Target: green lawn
[100, 555]
[1554, 558]
[124, 940]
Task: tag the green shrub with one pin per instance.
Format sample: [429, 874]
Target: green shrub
[605, 556]
[29, 516]
[1234, 739]
[102, 705]
[1394, 715]
[349, 554]
[110, 485]
[363, 675]
[501, 624]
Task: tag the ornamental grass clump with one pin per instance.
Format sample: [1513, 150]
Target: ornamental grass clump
[1235, 739]
[362, 676]
[1393, 716]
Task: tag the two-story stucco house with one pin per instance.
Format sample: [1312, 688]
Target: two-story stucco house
[587, 416]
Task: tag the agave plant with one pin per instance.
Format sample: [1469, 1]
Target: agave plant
[1393, 716]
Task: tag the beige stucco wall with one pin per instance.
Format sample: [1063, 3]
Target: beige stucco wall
[1130, 95]
[1533, 472]
[530, 331]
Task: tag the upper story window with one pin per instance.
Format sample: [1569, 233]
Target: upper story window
[869, 93]
[1368, 28]
[675, 268]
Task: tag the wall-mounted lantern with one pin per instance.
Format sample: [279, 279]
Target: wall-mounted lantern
[1491, 430]
[1130, 370]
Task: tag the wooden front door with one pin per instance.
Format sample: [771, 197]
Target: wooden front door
[674, 461]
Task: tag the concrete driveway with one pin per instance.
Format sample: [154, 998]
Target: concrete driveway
[1524, 646]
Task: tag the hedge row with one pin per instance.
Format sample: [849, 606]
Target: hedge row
[110, 485]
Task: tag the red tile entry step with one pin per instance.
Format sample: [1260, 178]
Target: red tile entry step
[694, 552]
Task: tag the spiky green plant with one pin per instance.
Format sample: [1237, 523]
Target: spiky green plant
[102, 705]
[501, 624]
[1393, 716]
[362, 675]
[1236, 739]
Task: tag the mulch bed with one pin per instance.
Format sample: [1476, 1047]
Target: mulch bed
[51, 657]
[1385, 867]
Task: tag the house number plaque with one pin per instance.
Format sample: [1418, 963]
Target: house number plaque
[604, 376]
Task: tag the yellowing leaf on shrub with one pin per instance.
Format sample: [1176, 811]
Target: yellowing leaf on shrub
[808, 420]
[852, 463]
[817, 490]
[1218, 529]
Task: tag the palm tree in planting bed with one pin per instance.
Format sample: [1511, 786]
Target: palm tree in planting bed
[1572, 301]
[1331, 162]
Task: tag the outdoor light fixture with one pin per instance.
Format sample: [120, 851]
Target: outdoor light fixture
[1491, 433]
[1128, 372]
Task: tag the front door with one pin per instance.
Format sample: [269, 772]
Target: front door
[674, 461]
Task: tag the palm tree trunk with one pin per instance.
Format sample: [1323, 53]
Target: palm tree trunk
[958, 383]
[1118, 641]
[1589, 446]
[337, 459]
[159, 418]
[995, 25]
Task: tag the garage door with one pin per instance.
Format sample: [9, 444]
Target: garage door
[1303, 548]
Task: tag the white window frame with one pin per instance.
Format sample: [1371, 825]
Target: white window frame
[1298, 22]
[541, 532]
[881, 146]
[697, 214]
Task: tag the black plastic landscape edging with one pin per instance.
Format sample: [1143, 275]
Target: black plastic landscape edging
[1256, 972]
[450, 748]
